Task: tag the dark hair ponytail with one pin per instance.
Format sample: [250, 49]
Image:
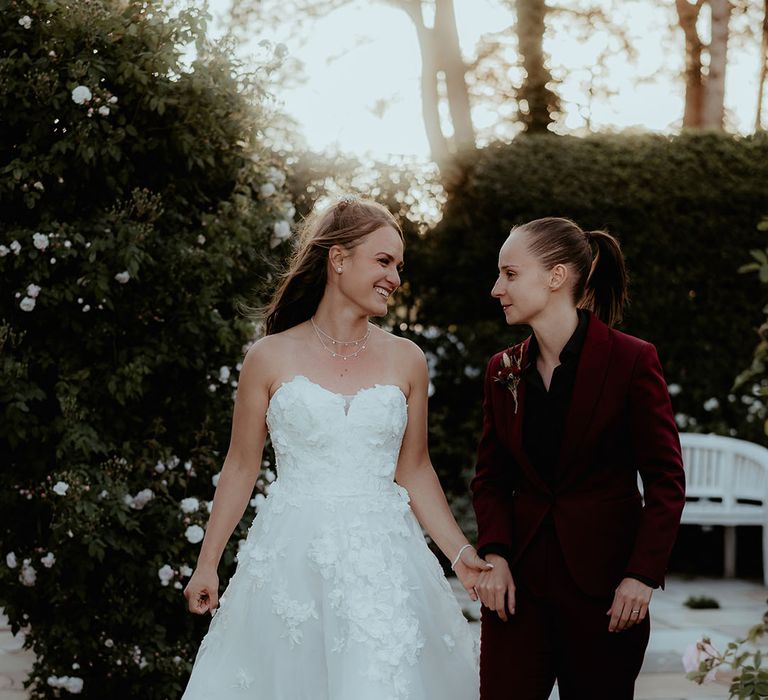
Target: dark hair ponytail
[600, 279]
[605, 291]
[302, 285]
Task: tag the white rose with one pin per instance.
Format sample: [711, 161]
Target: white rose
[280, 231]
[258, 500]
[40, 241]
[201, 239]
[674, 389]
[123, 277]
[276, 177]
[109, 643]
[187, 466]
[27, 304]
[48, 560]
[61, 488]
[159, 467]
[33, 290]
[112, 100]
[15, 247]
[215, 479]
[185, 570]
[711, 404]
[104, 111]
[165, 574]
[81, 94]
[267, 189]
[189, 505]
[4, 250]
[74, 685]
[10, 559]
[28, 575]
[224, 374]
[39, 186]
[194, 534]
[141, 499]
[25, 21]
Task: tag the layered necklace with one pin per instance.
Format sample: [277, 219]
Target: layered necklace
[324, 339]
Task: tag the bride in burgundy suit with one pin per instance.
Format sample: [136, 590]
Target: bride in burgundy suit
[572, 415]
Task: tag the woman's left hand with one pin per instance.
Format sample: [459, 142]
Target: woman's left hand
[630, 605]
[468, 569]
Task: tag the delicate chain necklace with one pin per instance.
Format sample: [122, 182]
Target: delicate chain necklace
[351, 356]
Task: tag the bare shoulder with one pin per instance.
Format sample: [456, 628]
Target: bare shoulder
[403, 351]
[263, 360]
[408, 362]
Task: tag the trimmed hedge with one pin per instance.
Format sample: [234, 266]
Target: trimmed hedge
[686, 211]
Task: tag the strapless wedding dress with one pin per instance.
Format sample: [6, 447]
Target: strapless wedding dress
[336, 594]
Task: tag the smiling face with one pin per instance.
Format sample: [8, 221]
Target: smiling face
[524, 285]
[370, 270]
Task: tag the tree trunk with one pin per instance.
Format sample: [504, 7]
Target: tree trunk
[687, 15]
[713, 111]
[763, 70]
[430, 98]
[537, 102]
[449, 60]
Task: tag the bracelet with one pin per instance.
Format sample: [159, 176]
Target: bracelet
[458, 556]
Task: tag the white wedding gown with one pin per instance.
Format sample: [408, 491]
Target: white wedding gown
[336, 594]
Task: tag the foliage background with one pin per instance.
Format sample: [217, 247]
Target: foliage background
[141, 214]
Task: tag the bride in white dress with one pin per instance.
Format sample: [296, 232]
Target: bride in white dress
[336, 594]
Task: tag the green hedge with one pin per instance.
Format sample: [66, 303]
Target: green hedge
[686, 211]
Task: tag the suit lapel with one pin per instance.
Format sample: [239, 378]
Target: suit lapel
[590, 378]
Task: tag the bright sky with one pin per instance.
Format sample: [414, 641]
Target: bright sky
[368, 52]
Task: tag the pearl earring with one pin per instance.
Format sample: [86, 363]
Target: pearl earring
[338, 269]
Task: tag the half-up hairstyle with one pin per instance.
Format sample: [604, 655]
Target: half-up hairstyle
[595, 257]
[302, 285]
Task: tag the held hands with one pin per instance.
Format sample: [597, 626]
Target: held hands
[202, 591]
[496, 587]
[630, 605]
[468, 568]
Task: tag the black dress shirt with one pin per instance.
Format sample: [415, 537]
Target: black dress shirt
[545, 413]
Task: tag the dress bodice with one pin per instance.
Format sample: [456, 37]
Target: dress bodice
[327, 443]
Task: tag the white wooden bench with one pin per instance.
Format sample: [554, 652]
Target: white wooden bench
[726, 484]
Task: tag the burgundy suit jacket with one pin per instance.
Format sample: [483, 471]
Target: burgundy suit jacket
[619, 423]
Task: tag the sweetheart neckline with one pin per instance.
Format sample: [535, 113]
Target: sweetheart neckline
[351, 397]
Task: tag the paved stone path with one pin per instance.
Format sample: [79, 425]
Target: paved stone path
[674, 627]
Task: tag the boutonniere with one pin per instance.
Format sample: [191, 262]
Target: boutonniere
[511, 371]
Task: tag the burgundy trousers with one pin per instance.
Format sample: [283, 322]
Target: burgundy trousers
[557, 633]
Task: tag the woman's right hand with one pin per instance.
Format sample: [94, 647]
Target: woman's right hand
[202, 591]
[496, 588]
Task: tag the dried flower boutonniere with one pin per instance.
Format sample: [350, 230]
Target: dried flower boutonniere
[512, 369]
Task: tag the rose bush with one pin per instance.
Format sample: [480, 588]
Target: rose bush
[133, 220]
